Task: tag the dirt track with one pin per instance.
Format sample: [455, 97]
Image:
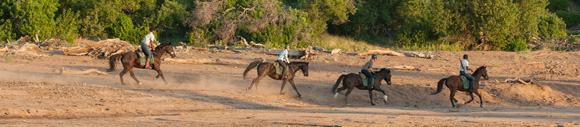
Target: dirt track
[34, 93]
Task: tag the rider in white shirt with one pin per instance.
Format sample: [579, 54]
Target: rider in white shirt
[147, 44]
[463, 67]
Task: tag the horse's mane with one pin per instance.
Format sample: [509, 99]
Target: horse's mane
[478, 70]
[299, 62]
[162, 45]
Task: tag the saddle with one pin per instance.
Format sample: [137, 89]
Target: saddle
[279, 69]
[364, 79]
[142, 58]
[465, 81]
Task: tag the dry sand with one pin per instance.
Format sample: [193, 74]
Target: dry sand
[33, 93]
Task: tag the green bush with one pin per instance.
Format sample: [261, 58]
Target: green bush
[125, 30]
[517, 46]
[571, 19]
[558, 5]
[552, 26]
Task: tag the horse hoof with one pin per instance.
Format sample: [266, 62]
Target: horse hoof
[385, 97]
[335, 95]
[373, 104]
[139, 83]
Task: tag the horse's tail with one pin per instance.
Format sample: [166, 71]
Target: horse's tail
[251, 66]
[440, 86]
[337, 83]
[112, 61]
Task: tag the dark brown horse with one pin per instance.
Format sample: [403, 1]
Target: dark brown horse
[268, 69]
[130, 60]
[454, 84]
[352, 80]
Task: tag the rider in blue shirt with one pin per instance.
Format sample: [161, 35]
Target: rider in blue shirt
[283, 60]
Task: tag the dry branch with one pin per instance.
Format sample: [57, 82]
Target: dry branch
[86, 72]
[309, 53]
[404, 67]
[204, 61]
[381, 52]
[259, 45]
[518, 80]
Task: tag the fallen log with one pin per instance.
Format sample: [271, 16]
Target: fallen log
[518, 80]
[204, 61]
[333, 51]
[381, 52]
[291, 53]
[86, 72]
[404, 67]
[258, 45]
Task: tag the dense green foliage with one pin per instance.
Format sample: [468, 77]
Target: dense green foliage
[408, 24]
[558, 5]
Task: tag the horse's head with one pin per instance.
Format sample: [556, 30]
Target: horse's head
[166, 48]
[387, 73]
[485, 76]
[483, 72]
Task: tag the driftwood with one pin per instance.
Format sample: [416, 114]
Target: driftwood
[24, 50]
[309, 53]
[518, 80]
[381, 52]
[404, 67]
[333, 51]
[204, 61]
[86, 72]
[102, 49]
[426, 55]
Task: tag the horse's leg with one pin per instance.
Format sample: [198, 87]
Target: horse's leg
[123, 73]
[339, 89]
[480, 100]
[346, 96]
[133, 75]
[294, 86]
[470, 94]
[283, 85]
[384, 94]
[452, 98]
[256, 81]
[159, 73]
[371, 96]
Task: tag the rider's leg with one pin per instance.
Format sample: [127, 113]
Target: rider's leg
[369, 78]
[147, 52]
[284, 68]
[471, 81]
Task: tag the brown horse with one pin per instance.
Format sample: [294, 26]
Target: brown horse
[352, 80]
[454, 84]
[268, 69]
[130, 60]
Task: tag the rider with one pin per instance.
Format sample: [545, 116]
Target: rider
[283, 60]
[465, 66]
[367, 69]
[147, 44]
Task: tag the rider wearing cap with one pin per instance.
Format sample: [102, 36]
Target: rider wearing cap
[367, 69]
[463, 67]
[283, 60]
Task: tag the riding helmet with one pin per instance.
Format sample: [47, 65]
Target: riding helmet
[374, 56]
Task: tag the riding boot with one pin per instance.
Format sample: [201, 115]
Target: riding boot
[370, 84]
[284, 71]
[147, 63]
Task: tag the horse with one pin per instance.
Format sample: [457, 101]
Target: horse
[267, 69]
[130, 60]
[352, 80]
[454, 84]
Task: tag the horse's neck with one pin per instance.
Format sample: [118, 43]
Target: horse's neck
[158, 52]
[476, 75]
